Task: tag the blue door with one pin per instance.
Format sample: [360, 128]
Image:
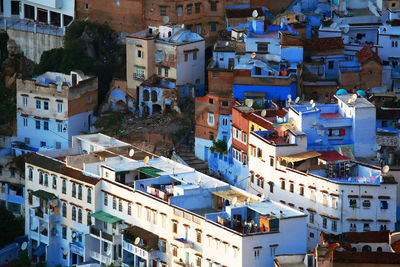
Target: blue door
[206, 153]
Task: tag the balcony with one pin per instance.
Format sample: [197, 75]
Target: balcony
[138, 76]
[94, 231]
[337, 122]
[101, 258]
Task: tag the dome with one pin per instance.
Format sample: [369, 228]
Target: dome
[361, 93]
[342, 92]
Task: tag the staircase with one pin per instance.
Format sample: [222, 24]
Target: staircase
[187, 154]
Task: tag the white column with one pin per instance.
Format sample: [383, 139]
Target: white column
[35, 9]
[48, 17]
[62, 20]
[7, 8]
[21, 10]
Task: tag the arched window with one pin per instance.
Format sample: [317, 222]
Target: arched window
[379, 249]
[366, 248]
[89, 195]
[73, 190]
[79, 215]
[146, 96]
[30, 174]
[154, 96]
[54, 182]
[80, 192]
[46, 179]
[114, 203]
[291, 188]
[354, 249]
[283, 185]
[64, 210]
[40, 177]
[64, 186]
[89, 219]
[73, 213]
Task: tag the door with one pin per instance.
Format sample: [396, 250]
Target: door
[206, 153]
[187, 257]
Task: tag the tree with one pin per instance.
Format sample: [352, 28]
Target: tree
[10, 226]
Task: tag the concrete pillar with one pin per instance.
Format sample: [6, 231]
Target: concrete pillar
[62, 20]
[7, 8]
[21, 10]
[35, 8]
[48, 17]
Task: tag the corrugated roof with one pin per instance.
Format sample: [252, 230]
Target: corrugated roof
[300, 156]
[105, 217]
[59, 167]
[44, 195]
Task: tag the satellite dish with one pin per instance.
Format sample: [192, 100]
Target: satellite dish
[131, 152]
[263, 113]
[313, 105]
[333, 25]
[250, 103]
[137, 241]
[24, 245]
[311, 101]
[297, 100]
[65, 251]
[234, 201]
[42, 228]
[385, 169]
[226, 43]
[165, 19]
[292, 122]
[253, 55]
[289, 97]
[354, 97]
[146, 159]
[73, 235]
[254, 13]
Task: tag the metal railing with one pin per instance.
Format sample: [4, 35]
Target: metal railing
[30, 26]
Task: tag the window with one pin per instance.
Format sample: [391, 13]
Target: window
[271, 187]
[40, 177]
[256, 253]
[353, 203]
[197, 8]
[37, 124]
[163, 11]
[73, 190]
[166, 72]
[64, 232]
[139, 210]
[42, 143]
[366, 203]
[353, 227]
[159, 56]
[271, 162]
[79, 215]
[59, 107]
[159, 71]
[148, 214]
[257, 71]
[80, 192]
[331, 64]
[213, 5]
[64, 186]
[89, 195]
[25, 122]
[198, 236]
[383, 227]
[224, 121]
[64, 210]
[38, 104]
[54, 182]
[59, 127]
[179, 10]
[301, 190]
[324, 222]
[45, 125]
[324, 200]
[245, 138]
[334, 203]
[186, 57]
[213, 26]
[334, 226]
[291, 187]
[366, 227]
[46, 105]
[27, 140]
[198, 28]
[154, 217]
[58, 145]
[198, 261]
[163, 246]
[175, 227]
[175, 251]
[114, 203]
[262, 183]
[139, 53]
[30, 173]
[194, 55]
[88, 218]
[25, 101]
[189, 9]
[129, 209]
[283, 185]
[262, 47]
[384, 205]
[163, 220]
[259, 153]
[311, 217]
[73, 213]
[210, 119]
[120, 205]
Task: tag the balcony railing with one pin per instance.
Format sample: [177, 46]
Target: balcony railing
[101, 258]
[95, 231]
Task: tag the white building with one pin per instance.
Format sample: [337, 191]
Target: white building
[338, 194]
[159, 213]
[59, 13]
[52, 108]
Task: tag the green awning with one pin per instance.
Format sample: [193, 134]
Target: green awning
[105, 217]
[43, 195]
[150, 171]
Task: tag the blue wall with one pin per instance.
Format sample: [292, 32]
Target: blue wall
[272, 92]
